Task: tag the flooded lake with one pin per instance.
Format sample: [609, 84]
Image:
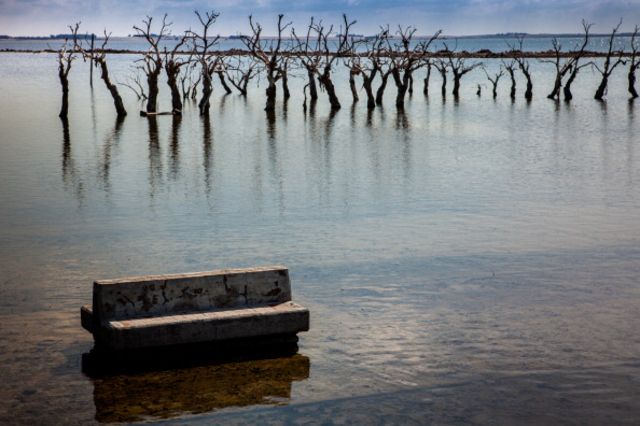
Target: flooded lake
[464, 262]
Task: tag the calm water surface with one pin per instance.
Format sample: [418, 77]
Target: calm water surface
[464, 262]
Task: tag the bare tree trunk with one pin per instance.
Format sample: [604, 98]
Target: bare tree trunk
[425, 89]
[271, 94]
[456, 86]
[512, 76]
[285, 84]
[557, 85]
[207, 88]
[367, 84]
[93, 40]
[172, 81]
[383, 86]
[528, 94]
[602, 88]
[152, 82]
[185, 89]
[325, 80]
[632, 82]
[176, 99]
[64, 81]
[223, 82]
[402, 85]
[113, 89]
[608, 66]
[443, 89]
[634, 64]
[352, 86]
[567, 87]
[313, 90]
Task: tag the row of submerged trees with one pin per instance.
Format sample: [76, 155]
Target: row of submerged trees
[193, 63]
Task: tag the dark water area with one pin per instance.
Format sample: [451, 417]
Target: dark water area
[464, 262]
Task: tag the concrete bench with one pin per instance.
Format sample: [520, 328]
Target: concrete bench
[167, 310]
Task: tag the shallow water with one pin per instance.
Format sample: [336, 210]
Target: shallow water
[464, 262]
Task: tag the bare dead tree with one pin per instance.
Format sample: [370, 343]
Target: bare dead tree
[240, 70]
[66, 56]
[405, 59]
[186, 78]
[99, 59]
[354, 70]
[371, 65]
[152, 60]
[269, 57]
[309, 54]
[368, 65]
[352, 62]
[609, 65]
[562, 67]
[284, 78]
[510, 67]
[194, 87]
[441, 65]
[202, 44]
[344, 46]
[220, 68]
[634, 63]
[523, 65]
[385, 66]
[494, 79]
[135, 85]
[459, 70]
[173, 62]
[576, 66]
[384, 76]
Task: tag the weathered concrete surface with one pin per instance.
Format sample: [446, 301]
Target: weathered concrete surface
[154, 295]
[138, 312]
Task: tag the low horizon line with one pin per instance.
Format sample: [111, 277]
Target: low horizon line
[420, 36]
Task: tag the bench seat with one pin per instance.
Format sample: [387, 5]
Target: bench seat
[168, 310]
[196, 327]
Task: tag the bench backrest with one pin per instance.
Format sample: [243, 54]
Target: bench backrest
[158, 295]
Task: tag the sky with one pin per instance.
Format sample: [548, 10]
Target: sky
[455, 17]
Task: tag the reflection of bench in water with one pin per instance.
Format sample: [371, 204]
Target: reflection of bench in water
[200, 389]
[164, 310]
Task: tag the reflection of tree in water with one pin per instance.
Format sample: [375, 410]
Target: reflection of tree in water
[174, 145]
[155, 162]
[207, 151]
[369, 121]
[274, 161]
[404, 128]
[326, 146]
[285, 111]
[352, 116]
[112, 139]
[271, 125]
[631, 141]
[70, 176]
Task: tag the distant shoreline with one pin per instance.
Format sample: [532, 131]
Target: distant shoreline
[417, 37]
[480, 54]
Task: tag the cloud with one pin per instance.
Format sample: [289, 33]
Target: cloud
[453, 16]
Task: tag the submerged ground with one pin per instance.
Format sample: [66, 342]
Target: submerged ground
[472, 261]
